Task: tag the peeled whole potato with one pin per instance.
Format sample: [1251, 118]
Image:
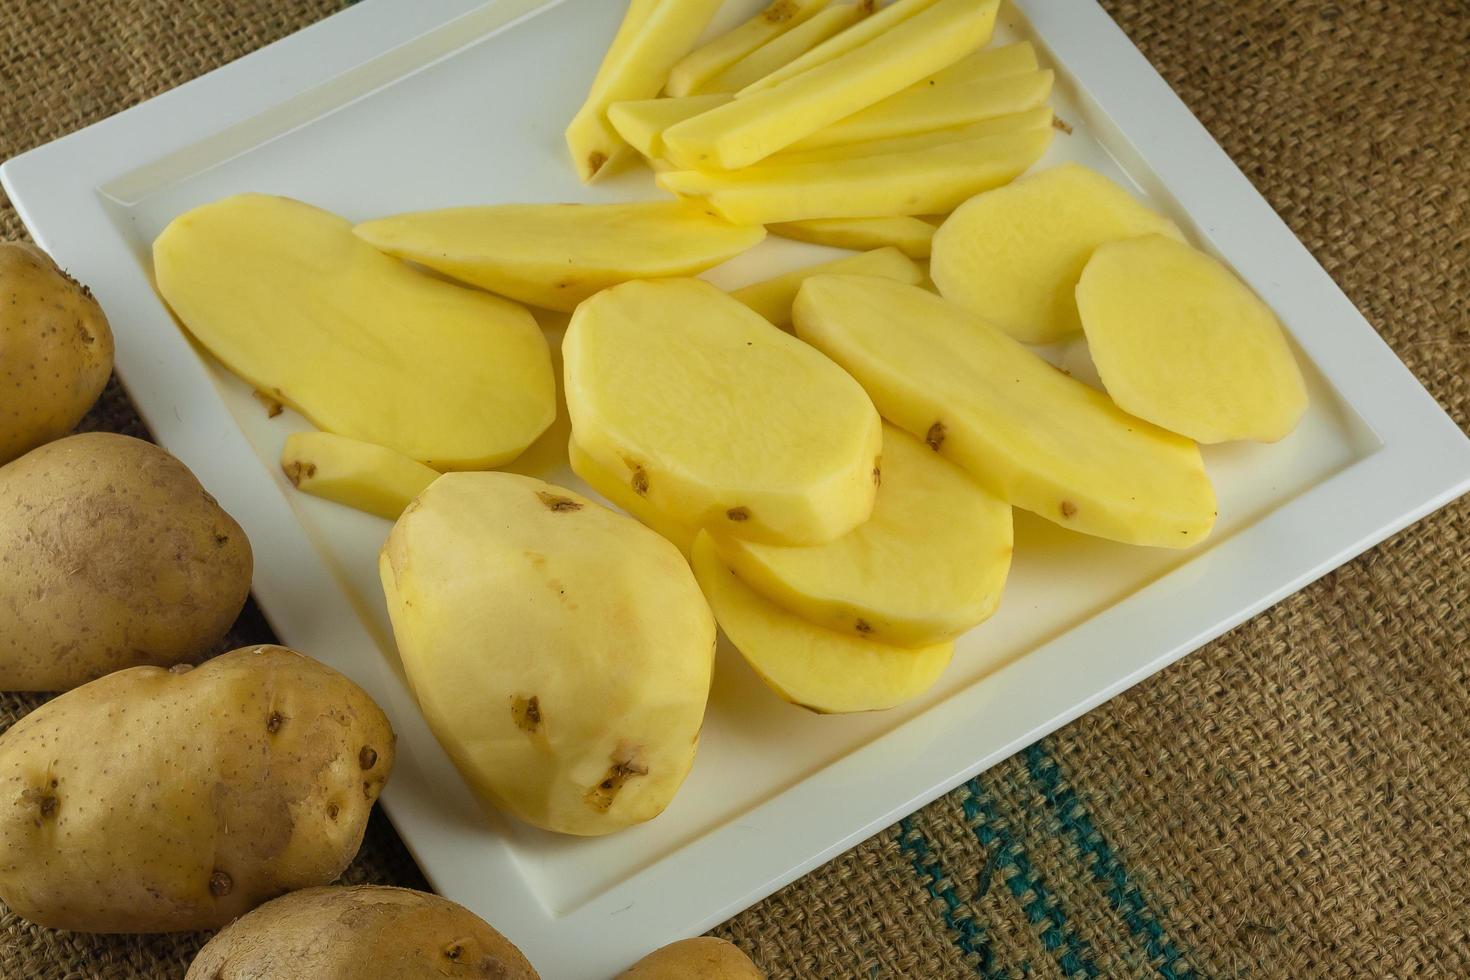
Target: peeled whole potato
[122, 559]
[560, 652]
[360, 932]
[704, 958]
[55, 350]
[157, 800]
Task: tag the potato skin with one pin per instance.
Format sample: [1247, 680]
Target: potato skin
[703, 958]
[111, 555]
[157, 800]
[353, 933]
[55, 350]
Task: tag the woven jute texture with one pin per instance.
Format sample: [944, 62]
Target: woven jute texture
[1293, 800]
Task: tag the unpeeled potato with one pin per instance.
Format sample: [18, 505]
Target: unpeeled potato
[704, 958]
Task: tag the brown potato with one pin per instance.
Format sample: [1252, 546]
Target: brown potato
[357, 933]
[111, 555]
[55, 350]
[157, 800]
[704, 958]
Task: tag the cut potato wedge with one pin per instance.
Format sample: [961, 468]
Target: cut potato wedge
[925, 108]
[556, 255]
[357, 474]
[624, 494]
[929, 181]
[718, 418]
[928, 565]
[1008, 59]
[789, 46]
[1180, 341]
[1026, 431]
[703, 63]
[814, 668]
[651, 40]
[756, 125]
[860, 35]
[1026, 121]
[362, 345]
[1014, 255]
[911, 236]
[772, 298]
[642, 123]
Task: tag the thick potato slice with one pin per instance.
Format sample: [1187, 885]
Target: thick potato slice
[556, 255]
[362, 345]
[626, 495]
[911, 236]
[357, 474]
[654, 35]
[927, 181]
[772, 298]
[825, 671]
[1180, 341]
[701, 958]
[1012, 123]
[642, 122]
[703, 63]
[928, 565]
[1008, 59]
[1030, 434]
[758, 124]
[717, 417]
[880, 23]
[789, 46]
[925, 108]
[560, 652]
[1014, 255]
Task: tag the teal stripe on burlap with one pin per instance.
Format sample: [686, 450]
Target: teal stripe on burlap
[1124, 895]
[1008, 859]
[966, 934]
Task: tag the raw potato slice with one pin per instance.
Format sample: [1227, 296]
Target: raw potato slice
[556, 255]
[1029, 433]
[357, 474]
[928, 565]
[789, 46]
[860, 35]
[925, 108]
[1027, 121]
[928, 181]
[642, 123]
[718, 418]
[1009, 59]
[561, 652]
[818, 669]
[626, 495]
[1014, 255]
[653, 37]
[364, 346]
[772, 299]
[701, 64]
[1180, 341]
[756, 125]
[911, 236]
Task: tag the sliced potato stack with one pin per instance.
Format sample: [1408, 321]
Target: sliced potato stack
[772, 298]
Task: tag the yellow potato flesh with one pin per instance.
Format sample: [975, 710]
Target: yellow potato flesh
[756, 125]
[704, 62]
[642, 123]
[651, 40]
[354, 473]
[1026, 121]
[786, 48]
[925, 108]
[1026, 431]
[772, 298]
[718, 417]
[622, 492]
[560, 652]
[911, 236]
[362, 345]
[556, 255]
[819, 669]
[859, 35]
[928, 565]
[1009, 59]
[1180, 341]
[928, 181]
[1014, 255]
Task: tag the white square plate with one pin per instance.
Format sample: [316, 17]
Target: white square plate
[394, 106]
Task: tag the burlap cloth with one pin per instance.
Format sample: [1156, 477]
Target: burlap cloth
[1293, 800]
